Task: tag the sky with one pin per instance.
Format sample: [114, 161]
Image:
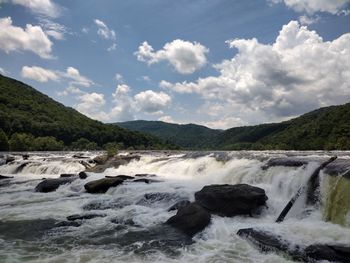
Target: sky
[218, 63]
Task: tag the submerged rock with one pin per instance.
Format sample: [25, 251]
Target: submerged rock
[82, 175]
[67, 175]
[50, 185]
[68, 224]
[151, 198]
[103, 162]
[145, 175]
[145, 180]
[268, 242]
[231, 200]
[102, 185]
[84, 217]
[190, 219]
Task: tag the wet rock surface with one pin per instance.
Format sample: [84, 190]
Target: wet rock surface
[231, 200]
[102, 185]
[190, 219]
[50, 185]
[287, 162]
[84, 217]
[103, 162]
[179, 205]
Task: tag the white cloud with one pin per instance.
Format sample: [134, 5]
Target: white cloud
[112, 47]
[119, 78]
[72, 75]
[3, 71]
[70, 90]
[103, 30]
[263, 83]
[41, 7]
[91, 104]
[53, 29]
[314, 6]
[308, 20]
[152, 102]
[186, 57]
[32, 38]
[123, 109]
[146, 78]
[39, 74]
[167, 119]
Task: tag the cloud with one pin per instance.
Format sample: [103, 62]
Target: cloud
[3, 71]
[152, 102]
[119, 78]
[308, 20]
[72, 75]
[32, 38]
[39, 74]
[91, 104]
[263, 83]
[41, 7]
[124, 108]
[314, 6]
[186, 57]
[103, 30]
[112, 47]
[167, 119]
[53, 29]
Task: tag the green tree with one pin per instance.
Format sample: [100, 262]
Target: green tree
[4, 144]
[84, 144]
[47, 144]
[21, 142]
[111, 148]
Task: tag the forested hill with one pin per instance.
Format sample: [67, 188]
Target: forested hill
[30, 120]
[323, 129]
[188, 136]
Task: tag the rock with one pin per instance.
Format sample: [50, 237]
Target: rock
[231, 200]
[145, 180]
[105, 204]
[50, 185]
[338, 167]
[102, 185]
[84, 217]
[332, 253]
[82, 175]
[20, 167]
[101, 159]
[288, 162]
[267, 242]
[122, 176]
[190, 219]
[25, 156]
[2, 177]
[145, 175]
[179, 204]
[68, 224]
[9, 159]
[67, 175]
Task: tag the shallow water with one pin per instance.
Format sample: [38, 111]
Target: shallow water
[132, 230]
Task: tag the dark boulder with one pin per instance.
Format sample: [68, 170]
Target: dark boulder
[9, 159]
[104, 162]
[5, 177]
[82, 175]
[68, 224]
[178, 205]
[121, 176]
[190, 219]
[67, 175]
[84, 217]
[332, 253]
[231, 200]
[100, 159]
[50, 185]
[145, 175]
[102, 185]
[145, 180]
[268, 242]
[287, 162]
[25, 156]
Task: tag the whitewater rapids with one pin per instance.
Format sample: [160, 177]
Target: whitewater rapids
[26, 217]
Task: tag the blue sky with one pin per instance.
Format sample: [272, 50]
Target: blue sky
[217, 63]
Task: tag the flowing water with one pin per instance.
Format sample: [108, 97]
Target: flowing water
[131, 227]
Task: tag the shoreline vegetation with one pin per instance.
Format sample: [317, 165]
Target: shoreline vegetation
[31, 121]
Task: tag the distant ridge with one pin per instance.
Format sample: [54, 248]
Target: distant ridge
[326, 128]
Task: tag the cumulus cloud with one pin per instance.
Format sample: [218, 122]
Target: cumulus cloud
[31, 38]
[263, 83]
[124, 107]
[167, 119]
[41, 7]
[104, 31]
[39, 74]
[152, 102]
[91, 104]
[314, 6]
[72, 75]
[186, 57]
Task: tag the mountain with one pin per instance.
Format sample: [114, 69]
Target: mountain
[24, 110]
[322, 129]
[187, 136]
